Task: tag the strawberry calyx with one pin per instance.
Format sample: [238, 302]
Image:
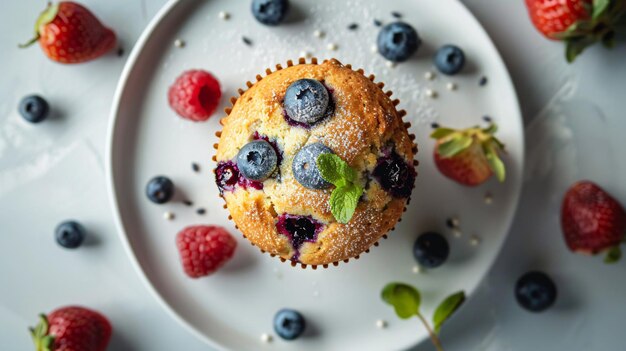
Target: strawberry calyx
[43, 341]
[48, 15]
[453, 142]
[606, 17]
[613, 255]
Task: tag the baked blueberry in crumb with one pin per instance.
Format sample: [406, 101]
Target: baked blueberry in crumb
[289, 324]
[449, 59]
[227, 177]
[535, 291]
[306, 101]
[304, 166]
[70, 234]
[431, 250]
[270, 12]
[395, 175]
[398, 41]
[160, 189]
[257, 160]
[299, 229]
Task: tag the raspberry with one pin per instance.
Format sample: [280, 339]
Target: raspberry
[195, 95]
[204, 249]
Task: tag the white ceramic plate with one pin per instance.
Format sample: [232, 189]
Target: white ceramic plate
[232, 308]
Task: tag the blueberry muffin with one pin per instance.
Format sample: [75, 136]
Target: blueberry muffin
[315, 163]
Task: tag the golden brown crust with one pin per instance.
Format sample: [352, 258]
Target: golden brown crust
[364, 123]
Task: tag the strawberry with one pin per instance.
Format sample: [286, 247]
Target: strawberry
[204, 249]
[69, 33]
[580, 23]
[72, 328]
[469, 156]
[592, 221]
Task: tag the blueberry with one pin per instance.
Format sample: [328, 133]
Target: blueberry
[397, 41]
[289, 324]
[395, 175]
[431, 250]
[70, 234]
[535, 291]
[305, 169]
[257, 160]
[270, 12]
[34, 108]
[306, 101]
[449, 59]
[160, 189]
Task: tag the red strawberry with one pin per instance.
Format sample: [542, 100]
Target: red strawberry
[468, 156]
[580, 23]
[69, 33]
[195, 95]
[72, 329]
[204, 249]
[592, 221]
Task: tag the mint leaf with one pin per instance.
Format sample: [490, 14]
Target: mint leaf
[613, 255]
[404, 298]
[446, 309]
[329, 166]
[345, 197]
[454, 146]
[441, 133]
[343, 202]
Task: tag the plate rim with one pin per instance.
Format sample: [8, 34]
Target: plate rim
[120, 88]
[129, 66]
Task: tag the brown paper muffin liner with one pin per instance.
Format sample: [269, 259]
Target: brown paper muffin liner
[314, 61]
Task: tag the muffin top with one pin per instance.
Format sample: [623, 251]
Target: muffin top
[267, 170]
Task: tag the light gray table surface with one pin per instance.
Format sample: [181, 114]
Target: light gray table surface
[575, 117]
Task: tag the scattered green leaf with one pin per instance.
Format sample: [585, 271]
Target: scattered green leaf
[446, 309]
[613, 255]
[404, 298]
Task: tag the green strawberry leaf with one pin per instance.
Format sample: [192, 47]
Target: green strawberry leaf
[404, 298]
[613, 255]
[492, 129]
[330, 166]
[446, 309]
[343, 202]
[454, 146]
[43, 341]
[576, 45]
[608, 40]
[442, 133]
[495, 163]
[599, 8]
